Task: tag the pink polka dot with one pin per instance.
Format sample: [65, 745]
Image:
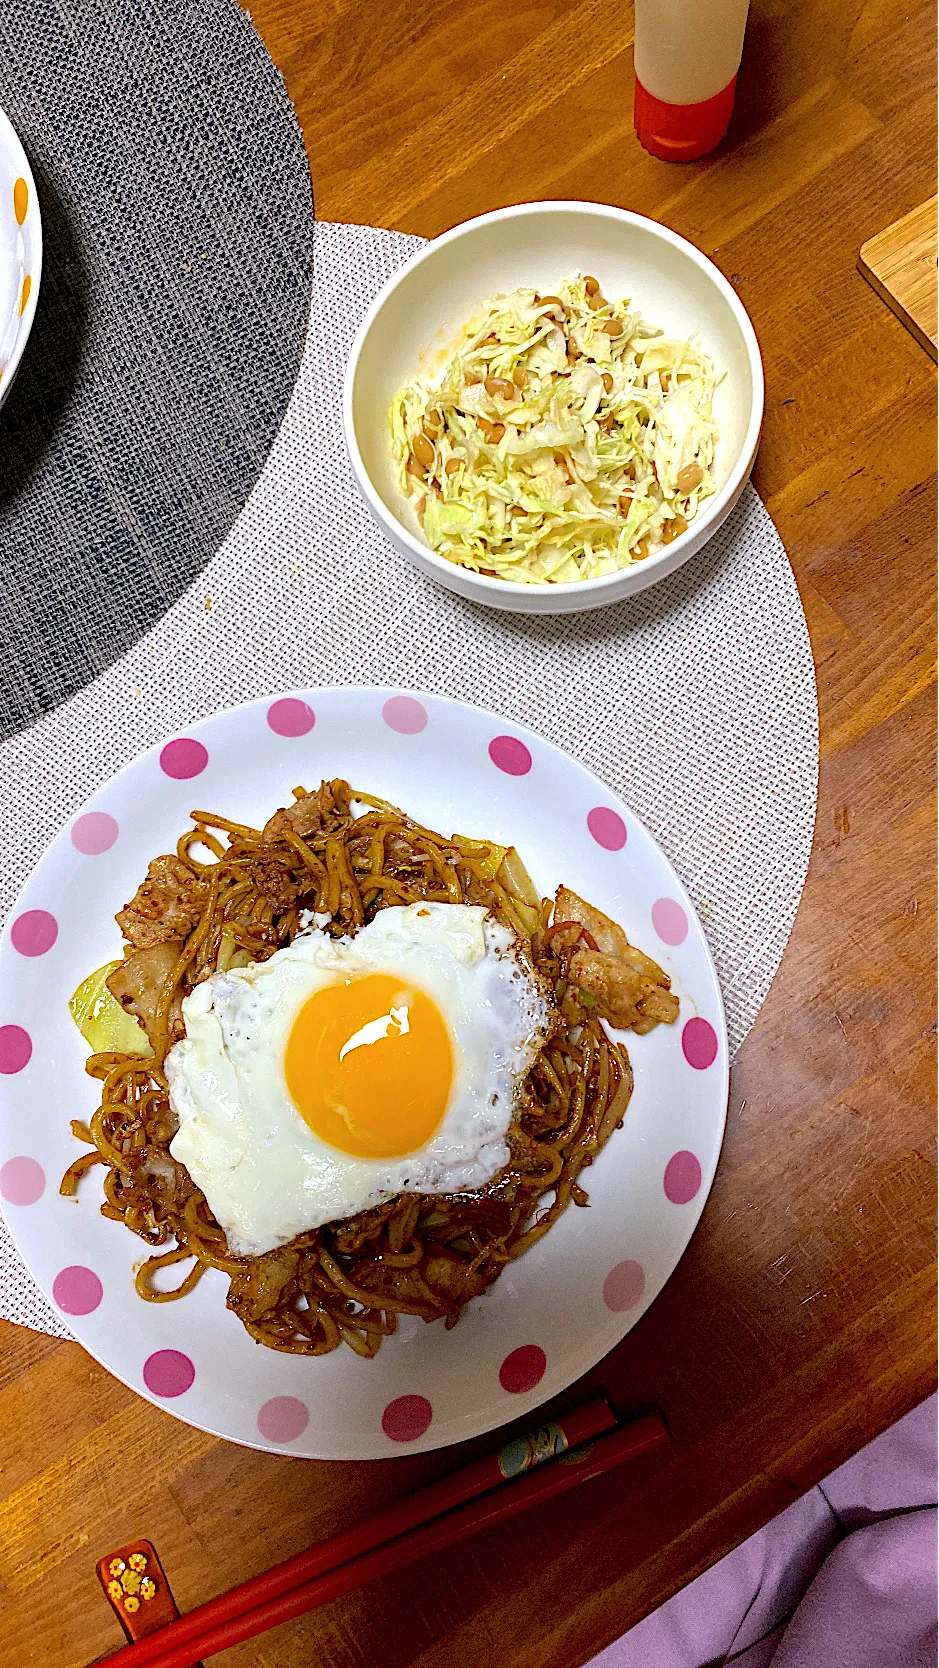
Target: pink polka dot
[282, 1419]
[16, 1047]
[607, 828]
[404, 714]
[511, 755]
[682, 1178]
[699, 1044]
[94, 833]
[669, 921]
[22, 1181]
[290, 717]
[624, 1286]
[183, 759]
[407, 1418]
[168, 1372]
[34, 932]
[77, 1290]
[523, 1369]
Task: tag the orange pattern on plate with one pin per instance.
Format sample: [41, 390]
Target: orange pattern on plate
[20, 200]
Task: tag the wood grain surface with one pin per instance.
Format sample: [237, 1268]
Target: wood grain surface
[801, 1321]
[901, 265]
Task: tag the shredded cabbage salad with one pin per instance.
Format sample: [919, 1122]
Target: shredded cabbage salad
[567, 438]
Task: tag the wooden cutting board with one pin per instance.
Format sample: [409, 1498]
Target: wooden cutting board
[901, 265]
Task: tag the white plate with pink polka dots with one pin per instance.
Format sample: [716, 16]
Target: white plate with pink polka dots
[554, 1313]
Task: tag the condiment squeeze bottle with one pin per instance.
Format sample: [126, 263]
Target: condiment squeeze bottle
[687, 55]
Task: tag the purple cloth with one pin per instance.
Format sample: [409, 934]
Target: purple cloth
[845, 1578]
[873, 1602]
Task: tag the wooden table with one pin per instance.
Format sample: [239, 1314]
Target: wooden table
[800, 1322]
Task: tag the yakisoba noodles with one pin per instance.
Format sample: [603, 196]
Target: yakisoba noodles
[234, 895]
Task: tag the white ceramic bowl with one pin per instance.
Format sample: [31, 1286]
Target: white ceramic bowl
[20, 253]
[419, 314]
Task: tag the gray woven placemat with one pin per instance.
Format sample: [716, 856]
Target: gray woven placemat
[175, 296]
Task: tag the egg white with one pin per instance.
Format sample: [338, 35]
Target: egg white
[265, 1174]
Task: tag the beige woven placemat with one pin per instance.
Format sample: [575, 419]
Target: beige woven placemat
[695, 701]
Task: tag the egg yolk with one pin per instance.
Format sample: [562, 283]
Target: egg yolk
[369, 1065]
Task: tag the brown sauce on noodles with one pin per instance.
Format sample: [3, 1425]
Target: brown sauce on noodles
[426, 1255]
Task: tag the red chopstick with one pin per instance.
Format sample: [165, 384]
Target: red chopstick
[471, 1481]
[591, 1460]
[432, 1536]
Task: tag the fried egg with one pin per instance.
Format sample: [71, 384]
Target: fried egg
[341, 1072]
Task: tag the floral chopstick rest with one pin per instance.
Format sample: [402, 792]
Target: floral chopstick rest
[137, 1589]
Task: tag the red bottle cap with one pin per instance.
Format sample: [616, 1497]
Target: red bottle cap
[682, 132]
